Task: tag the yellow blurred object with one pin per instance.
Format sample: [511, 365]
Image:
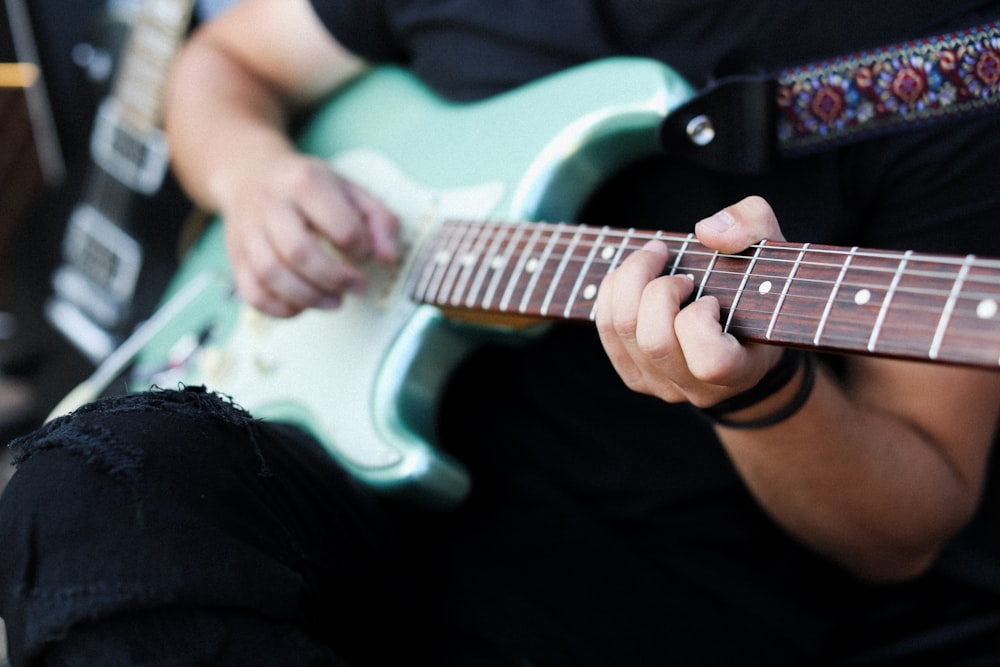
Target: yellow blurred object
[18, 75]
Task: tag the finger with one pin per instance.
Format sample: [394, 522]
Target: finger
[268, 284]
[618, 304]
[737, 227]
[657, 352]
[715, 357]
[655, 338]
[352, 220]
[301, 251]
[621, 291]
[614, 348]
[382, 224]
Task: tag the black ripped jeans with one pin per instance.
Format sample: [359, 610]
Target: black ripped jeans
[170, 527]
[181, 520]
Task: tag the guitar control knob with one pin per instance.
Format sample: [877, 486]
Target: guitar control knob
[216, 365]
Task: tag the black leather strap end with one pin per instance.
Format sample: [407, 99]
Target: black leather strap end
[730, 127]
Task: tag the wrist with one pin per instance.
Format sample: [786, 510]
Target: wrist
[781, 393]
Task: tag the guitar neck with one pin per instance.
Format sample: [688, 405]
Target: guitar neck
[897, 304]
[127, 141]
[153, 42]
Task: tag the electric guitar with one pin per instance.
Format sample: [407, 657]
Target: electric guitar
[466, 181]
[118, 244]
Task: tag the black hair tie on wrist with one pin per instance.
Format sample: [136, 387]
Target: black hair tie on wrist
[773, 382]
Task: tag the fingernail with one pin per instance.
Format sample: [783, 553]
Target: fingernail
[720, 222]
[331, 302]
[656, 246]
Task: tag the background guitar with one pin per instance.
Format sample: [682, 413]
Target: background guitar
[119, 246]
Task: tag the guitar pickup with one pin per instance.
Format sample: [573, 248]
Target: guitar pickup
[139, 161]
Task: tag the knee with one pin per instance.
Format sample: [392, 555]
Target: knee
[123, 438]
[117, 503]
[129, 457]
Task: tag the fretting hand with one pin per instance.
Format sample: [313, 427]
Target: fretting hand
[666, 347]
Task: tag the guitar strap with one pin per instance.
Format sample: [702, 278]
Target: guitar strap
[746, 123]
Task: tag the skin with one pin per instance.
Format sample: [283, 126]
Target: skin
[871, 472]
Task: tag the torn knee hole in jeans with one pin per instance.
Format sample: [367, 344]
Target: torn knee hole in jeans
[104, 450]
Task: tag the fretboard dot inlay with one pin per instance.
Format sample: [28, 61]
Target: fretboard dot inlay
[497, 263]
[608, 252]
[765, 287]
[987, 309]
[589, 292]
[862, 297]
[442, 257]
[531, 265]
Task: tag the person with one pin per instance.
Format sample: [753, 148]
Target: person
[623, 510]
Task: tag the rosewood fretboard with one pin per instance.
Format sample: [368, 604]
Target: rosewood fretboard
[899, 304]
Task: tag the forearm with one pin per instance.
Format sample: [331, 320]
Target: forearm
[234, 87]
[221, 121]
[871, 489]
[877, 469]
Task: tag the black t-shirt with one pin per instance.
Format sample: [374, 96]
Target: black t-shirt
[608, 526]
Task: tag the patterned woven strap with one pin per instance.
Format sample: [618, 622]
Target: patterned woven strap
[872, 92]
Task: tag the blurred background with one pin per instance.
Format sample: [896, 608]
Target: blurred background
[90, 218]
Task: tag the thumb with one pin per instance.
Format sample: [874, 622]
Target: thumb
[737, 227]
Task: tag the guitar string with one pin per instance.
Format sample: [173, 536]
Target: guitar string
[794, 297]
[900, 307]
[855, 269]
[560, 229]
[820, 250]
[520, 252]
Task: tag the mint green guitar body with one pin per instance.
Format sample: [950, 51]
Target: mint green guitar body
[365, 378]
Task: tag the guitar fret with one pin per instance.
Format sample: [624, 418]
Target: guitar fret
[838, 283]
[708, 272]
[973, 328]
[784, 292]
[680, 253]
[143, 73]
[502, 265]
[523, 261]
[437, 254]
[473, 262]
[560, 270]
[614, 261]
[584, 271]
[450, 263]
[153, 42]
[464, 258]
[537, 268]
[949, 307]
[743, 285]
[148, 40]
[170, 13]
[840, 299]
[923, 307]
[884, 310]
[491, 260]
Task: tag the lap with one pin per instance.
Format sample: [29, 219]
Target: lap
[177, 510]
[180, 499]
